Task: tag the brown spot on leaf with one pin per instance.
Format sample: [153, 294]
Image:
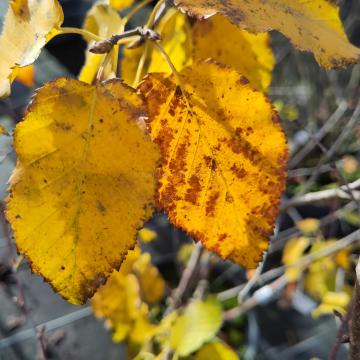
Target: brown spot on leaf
[238, 171]
[211, 203]
[192, 194]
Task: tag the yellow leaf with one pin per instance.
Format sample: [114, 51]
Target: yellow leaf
[332, 301]
[104, 21]
[26, 75]
[26, 27]
[121, 4]
[293, 251]
[320, 278]
[176, 41]
[147, 235]
[224, 158]
[342, 259]
[308, 226]
[310, 25]
[83, 184]
[120, 300]
[199, 323]
[248, 53]
[216, 350]
[152, 284]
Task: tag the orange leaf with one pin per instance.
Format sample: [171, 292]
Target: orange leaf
[224, 158]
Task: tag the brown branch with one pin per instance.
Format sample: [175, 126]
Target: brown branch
[354, 353]
[187, 276]
[342, 332]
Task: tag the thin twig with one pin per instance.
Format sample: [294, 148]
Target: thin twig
[302, 262]
[334, 148]
[187, 275]
[329, 124]
[342, 331]
[342, 192]
[354, 353]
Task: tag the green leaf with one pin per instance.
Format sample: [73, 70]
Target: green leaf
[199, 323]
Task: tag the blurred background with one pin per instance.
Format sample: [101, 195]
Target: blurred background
[317, 108]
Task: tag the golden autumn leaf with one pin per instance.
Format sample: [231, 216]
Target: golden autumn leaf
[103, 21]
[27, 25]
[26, 75]
[83, 184]
[248, 53]
[121, 4]
[310, 25]
[176, 41]
[198, 324]
[224, 158]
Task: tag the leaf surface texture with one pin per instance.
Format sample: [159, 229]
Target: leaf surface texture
[83, 184]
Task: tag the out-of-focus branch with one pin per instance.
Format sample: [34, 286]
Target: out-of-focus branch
[302, 262]
[342, 193]
[186, 278]
[354, 353]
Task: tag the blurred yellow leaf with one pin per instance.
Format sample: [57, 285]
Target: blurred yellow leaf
[308, 226]
[65, 197]
[331, 301]
[121, 4]
[199, 324]
[310, 25]
[25, 75]
[121, 300]
[224, 158]
[216, 350]
[342, 259]
[26, 27]
[119, 303]
[320, 277]
[176, 41]
[104, 21]
[248, 53]
[152, 284]
[293, 251]
[147, 235]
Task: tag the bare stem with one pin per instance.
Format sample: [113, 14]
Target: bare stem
[82, 32]
[186, 278]
[354, 353]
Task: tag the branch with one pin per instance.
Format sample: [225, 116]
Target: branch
[302, 262]
[342, 336]
[104, 46]
[355, 320]
[186, 278]
[342, 193]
